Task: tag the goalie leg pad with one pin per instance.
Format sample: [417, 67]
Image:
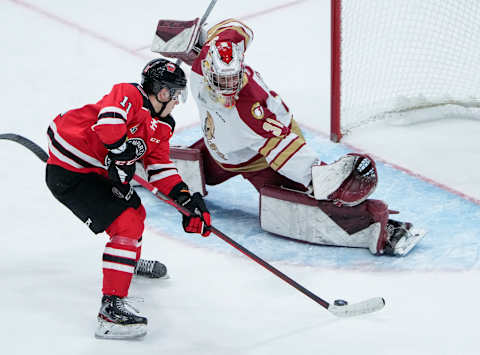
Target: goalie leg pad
[297, 216]
[213, 173]
[189, 164]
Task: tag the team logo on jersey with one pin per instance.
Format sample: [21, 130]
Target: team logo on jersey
[257, 111]
[170, 67]
[209, 127]
[140, 150]
[209, 133]
[133, 129]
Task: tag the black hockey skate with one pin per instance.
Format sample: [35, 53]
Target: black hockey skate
[116, 321]
[151, 268]
[402, 237]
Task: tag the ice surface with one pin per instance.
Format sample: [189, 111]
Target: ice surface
[58, 55]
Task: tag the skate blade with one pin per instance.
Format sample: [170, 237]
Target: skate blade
[164, 277]
[107, 330]
[404, 245]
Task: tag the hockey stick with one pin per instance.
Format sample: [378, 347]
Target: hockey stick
[207, 12]
[202, 21]
[340, 309]
[27, 143]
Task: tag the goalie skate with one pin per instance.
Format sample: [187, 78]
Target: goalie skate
[402, 238]
[116, 321]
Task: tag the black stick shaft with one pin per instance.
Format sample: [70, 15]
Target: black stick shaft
[236, 245]
[27, 143]
[39, 152]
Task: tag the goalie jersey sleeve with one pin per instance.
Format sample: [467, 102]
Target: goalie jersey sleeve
[278, 138]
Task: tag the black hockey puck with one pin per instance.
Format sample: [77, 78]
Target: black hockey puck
[340, 303]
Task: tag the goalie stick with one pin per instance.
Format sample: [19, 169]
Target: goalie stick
[341, 309]
[202, 21]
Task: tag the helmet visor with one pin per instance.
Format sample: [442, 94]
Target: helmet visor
[179, 94]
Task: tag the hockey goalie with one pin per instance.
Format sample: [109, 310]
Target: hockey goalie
[248, 130]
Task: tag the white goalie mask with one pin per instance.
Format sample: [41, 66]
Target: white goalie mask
[223, 69]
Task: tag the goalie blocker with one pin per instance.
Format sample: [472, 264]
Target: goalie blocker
[179, 39]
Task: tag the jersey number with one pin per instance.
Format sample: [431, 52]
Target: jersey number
[273, 126]
[124, 103]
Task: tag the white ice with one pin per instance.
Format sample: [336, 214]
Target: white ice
[58, 55]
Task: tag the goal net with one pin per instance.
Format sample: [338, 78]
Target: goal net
[403, 58]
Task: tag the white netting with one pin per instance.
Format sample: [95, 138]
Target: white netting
[402, 55]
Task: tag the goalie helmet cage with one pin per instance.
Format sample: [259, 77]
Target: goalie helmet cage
[408, 59]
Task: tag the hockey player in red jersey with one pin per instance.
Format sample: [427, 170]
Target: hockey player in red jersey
[92, 155]
[249, 130]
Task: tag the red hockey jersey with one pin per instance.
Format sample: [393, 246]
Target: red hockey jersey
[78, 137]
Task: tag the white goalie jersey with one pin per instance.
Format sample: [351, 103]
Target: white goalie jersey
[255, 133]
[258, 131]
[248, 128]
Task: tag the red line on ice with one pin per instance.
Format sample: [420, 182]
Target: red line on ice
[133, 52]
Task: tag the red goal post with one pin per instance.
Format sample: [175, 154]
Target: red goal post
[408, 59]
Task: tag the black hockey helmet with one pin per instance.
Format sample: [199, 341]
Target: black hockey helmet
[161, 73]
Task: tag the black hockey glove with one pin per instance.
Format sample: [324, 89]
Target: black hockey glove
[121, 167]
[199, 220]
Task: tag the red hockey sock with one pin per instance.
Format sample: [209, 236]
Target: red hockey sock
[122, 251]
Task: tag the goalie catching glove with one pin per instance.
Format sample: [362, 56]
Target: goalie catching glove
[347, 181]
[199, 220]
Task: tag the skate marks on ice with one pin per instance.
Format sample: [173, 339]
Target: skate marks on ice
[452, 241]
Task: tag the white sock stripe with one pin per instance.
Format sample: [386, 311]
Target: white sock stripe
[118, 267]
[120, 252]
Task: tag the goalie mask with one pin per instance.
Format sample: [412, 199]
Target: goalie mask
[161, 73]
[223, 69]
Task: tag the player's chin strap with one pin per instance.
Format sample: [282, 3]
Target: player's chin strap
[164, 106]
[338, 309]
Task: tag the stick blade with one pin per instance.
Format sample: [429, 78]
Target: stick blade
[356, 309]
